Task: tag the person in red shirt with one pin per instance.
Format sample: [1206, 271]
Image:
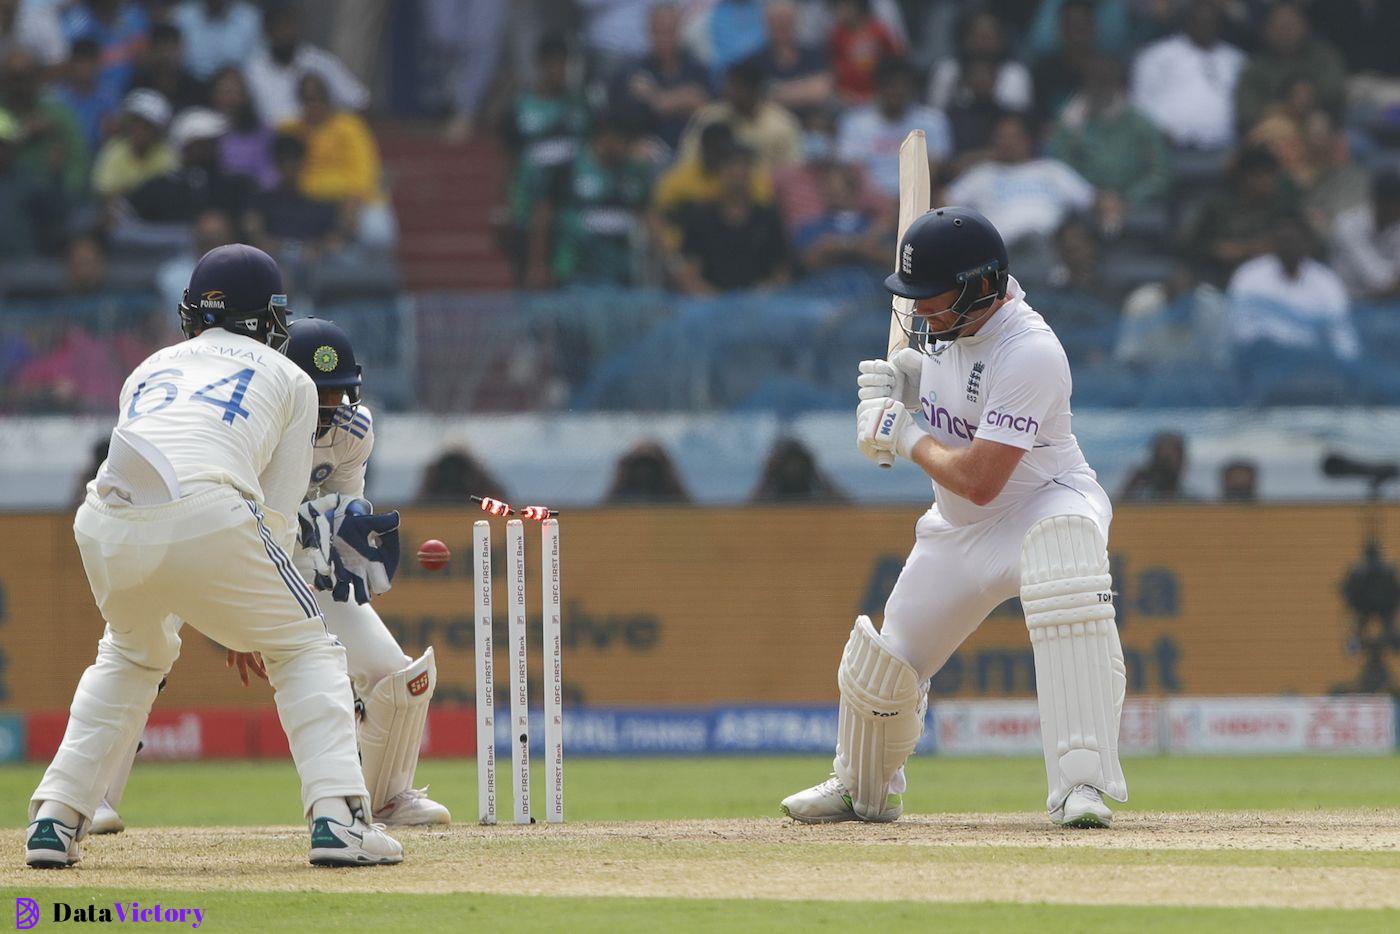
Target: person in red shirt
[858, 42]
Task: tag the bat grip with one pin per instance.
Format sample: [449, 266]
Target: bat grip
[886, 461]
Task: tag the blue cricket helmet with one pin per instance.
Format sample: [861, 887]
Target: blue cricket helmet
[945, 249]
[324, 352]
[236, 287]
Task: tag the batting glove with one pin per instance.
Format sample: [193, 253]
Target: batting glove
[884, 426]
[895, 378]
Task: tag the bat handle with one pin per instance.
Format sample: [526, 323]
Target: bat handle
[886, 461]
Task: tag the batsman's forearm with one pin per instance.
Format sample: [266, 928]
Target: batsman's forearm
[952, 469]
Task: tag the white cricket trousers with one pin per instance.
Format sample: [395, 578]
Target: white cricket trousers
[209, 560]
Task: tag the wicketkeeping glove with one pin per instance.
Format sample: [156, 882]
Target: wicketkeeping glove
[885, 426]
[316, 525]
[366, 553]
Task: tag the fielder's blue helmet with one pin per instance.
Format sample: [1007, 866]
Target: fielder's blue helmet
[236, 287]
[950, 248]
[325, 353]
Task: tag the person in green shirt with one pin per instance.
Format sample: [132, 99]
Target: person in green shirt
[50, 140]
[1290, 51]
[1113, 145]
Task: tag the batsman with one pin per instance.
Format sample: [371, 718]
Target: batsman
[1017, 511]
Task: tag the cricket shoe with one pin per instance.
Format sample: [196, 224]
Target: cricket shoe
[412, 808]
[830, 803]
[1083, 808]
[106, 820]
[354, 844]
[51, 844]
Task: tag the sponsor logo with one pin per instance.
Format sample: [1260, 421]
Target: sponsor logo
[325, 358]
[1016, 422]
[941, 419]
[906, 260]
[214, 298]
[26, 913]
[418, 685]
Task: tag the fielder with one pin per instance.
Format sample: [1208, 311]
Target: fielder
[190, 518]
[1017, 511]
[392, 690]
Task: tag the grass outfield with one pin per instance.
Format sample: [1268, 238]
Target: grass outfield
[1207, 844]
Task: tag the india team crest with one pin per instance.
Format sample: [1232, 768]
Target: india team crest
[325, 358]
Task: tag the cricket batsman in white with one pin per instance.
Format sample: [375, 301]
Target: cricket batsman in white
[1017, 511]
[393, 691]
[191, 518]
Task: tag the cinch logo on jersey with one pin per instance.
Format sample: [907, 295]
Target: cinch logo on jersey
[214, 298]
[939, 417]
[27, 914]
[1007, 420]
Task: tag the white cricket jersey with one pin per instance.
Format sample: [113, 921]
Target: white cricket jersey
[339, 461]
[1009, 383]
[227, 409]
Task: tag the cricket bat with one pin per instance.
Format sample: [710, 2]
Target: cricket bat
[913, 203]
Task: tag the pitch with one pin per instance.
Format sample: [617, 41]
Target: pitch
[1239, 844]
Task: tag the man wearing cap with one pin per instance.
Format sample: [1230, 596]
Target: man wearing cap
[1018, 512]
[138, 153]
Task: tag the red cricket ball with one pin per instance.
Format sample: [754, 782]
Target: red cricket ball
[433, 555]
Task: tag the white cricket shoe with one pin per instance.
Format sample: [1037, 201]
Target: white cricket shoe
[412, 808]
[51, 844]
[1083, 808]
[352, 844]
[830, 803]
[106, 820]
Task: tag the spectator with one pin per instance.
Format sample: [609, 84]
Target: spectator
[733, 242]
[453, 477]
[1117, 25]
[846, 233]
[33, 26]
[1028, 198]
[698, 179]
[119, 27]
[594, 212]
[1238, 226]
[1083, 312]
[218, 33]
[799, 78]
[615, 32]
[1337, 183]
[1280, 130]
[791, 475]
[1111, 144]
[287, 223]
[859, 42]
[211, 228]
[468, 36]
[1285, 298]
[31, 205]
[91, 101]
[1180, 322]
[1366, 242]
[49, 138]
[1290, 51]
[1239, 481]
[870, 135]
[1159, 480]
[667, 86]
[159, 213]
[342, 162]
[246, 148]
[769, 129]
[1186, 83]
[137, 152]
[982, 40]
[542, 131]
[974, 113]
[645, 474]
[164, 70]
[277, 67]
[727, 32]
[1062, 74]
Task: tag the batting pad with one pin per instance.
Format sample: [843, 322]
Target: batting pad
[883, 702]
[1067, 595]
[396, 712]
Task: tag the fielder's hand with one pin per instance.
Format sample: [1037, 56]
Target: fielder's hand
[246, 661]
[895, 378]
[884, 426]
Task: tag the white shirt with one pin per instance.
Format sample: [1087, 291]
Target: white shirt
[1188, 91]
[1023, 198]
[867, 138]
[1010, 384]
[1268, 305]
[1013, 88]
[340, 460]
[273, 85]
[1366, 258]
[225, 408]
[619, 27]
